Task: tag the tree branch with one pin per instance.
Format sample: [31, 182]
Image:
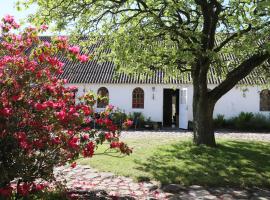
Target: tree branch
[240, 33]
[233, 77]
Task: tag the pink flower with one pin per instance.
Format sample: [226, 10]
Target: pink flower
[73, 165]
[6, 191]
[86, 129]
[88, 151]
[83, 58]
[74, 49]
[25, 145]
[47, 44]
[128, 123]
[15, 25]
[108, 136]
[109, 107]
[86, 110]
[56, 140]
[70, 132]
[72, 88]
[61, 115]
[40, 106]
[73, 143]
[44, 27]
[62, 38]
[8, 19]
[24, 189]
[6, 112]
[86, 136]
[39, 187]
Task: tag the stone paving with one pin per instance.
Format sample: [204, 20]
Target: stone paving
[84, 182]
[102, 185]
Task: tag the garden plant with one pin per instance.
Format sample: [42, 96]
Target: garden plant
[41, 125]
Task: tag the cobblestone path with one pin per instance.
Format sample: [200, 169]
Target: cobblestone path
[86, 183]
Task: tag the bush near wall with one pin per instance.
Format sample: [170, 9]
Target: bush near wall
[245, 121]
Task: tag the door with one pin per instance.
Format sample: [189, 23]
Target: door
[183, 116]
[167, 108]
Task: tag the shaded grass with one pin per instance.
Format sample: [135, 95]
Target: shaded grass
[233, 163]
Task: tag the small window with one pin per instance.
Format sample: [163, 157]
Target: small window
[103, 99]
[138, 98]
[265, 100]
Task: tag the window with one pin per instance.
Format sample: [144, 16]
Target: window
[138, 98]
[265, 100]
[103, 99]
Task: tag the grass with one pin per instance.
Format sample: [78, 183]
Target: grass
[233, 163]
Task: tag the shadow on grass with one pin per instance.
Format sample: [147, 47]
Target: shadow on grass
[233, 163]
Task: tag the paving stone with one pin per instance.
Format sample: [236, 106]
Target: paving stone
[226, 197]
[259, 198]
[182, 197]
[173, 188]
[241, 194]
[87, 182]
[195, 187]
[210, 197]
[198, 193]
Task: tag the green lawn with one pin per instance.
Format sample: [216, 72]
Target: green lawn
[233, 163]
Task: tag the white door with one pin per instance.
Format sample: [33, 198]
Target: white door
[183, 109]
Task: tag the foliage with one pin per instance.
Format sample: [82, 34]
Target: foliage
[141, 34]
[40, 124]
[219, 121]
[118, 117]
[201, 38]
[244, 122]
[138, 120]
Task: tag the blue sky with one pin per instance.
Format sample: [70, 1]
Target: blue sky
[8, 7]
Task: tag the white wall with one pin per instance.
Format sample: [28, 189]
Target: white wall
[231, 104]
[237, 100]
[120, 96]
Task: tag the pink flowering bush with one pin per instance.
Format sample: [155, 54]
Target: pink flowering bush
[40, 123]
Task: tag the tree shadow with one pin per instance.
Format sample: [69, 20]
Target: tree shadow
[233, 163]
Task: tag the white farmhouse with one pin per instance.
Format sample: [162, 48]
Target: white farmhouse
[166, 101]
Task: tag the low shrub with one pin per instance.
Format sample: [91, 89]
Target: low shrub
[138, 120]
[40, 122]
[219, 121]
[245, 121]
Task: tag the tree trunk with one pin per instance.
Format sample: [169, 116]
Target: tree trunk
[203, 127]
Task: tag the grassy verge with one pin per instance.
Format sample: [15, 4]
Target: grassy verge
[233, 163]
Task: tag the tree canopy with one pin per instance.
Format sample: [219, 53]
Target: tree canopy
[141, 33]
[227, 37]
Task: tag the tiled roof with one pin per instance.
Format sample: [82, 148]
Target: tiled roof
[105, 73]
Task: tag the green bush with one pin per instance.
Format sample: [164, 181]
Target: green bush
[219, 121]
[245, 121]
[118, 117]
[138, 120]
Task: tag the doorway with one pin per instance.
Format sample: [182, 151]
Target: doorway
[171, 108]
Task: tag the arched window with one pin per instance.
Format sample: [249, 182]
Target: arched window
[265, 100]
[103, 97]
[138, 98]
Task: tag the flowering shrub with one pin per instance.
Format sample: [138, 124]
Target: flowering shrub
[40, 124]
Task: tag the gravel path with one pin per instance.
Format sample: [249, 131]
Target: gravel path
[187, 134]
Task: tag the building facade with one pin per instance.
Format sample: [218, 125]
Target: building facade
[172, 104]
